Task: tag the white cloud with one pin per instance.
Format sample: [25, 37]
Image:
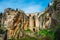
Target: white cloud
[32, 8]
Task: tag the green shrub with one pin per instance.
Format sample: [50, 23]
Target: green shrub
[46, 32]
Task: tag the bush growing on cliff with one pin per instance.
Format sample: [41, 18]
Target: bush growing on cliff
[46, 32]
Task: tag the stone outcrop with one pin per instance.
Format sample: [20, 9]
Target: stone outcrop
[57, 10]
[16, 21]
[54, 12]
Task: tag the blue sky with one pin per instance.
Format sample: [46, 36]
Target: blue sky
[28, 6]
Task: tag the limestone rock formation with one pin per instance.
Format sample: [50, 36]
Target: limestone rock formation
[54, 10]
[16, 21]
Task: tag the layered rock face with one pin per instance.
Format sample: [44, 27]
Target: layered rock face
[17, 20]
[33, 22]
[55, 10]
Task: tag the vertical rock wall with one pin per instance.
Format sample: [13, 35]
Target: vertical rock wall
[17, 20]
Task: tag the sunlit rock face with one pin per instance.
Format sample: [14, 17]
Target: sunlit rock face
[39, 21]
[45, 20]
[17, 21]
[25, 22]
[9, 17]
[31, 21]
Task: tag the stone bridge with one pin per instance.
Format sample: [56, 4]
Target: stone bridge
[17, 20]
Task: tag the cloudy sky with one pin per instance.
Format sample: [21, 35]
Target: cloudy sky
[29, 6]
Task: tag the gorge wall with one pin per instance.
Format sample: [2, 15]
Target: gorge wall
[16, 20]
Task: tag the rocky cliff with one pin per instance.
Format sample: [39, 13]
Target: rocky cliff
[17, 20]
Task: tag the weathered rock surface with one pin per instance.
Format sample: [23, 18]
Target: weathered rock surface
[16, 21]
